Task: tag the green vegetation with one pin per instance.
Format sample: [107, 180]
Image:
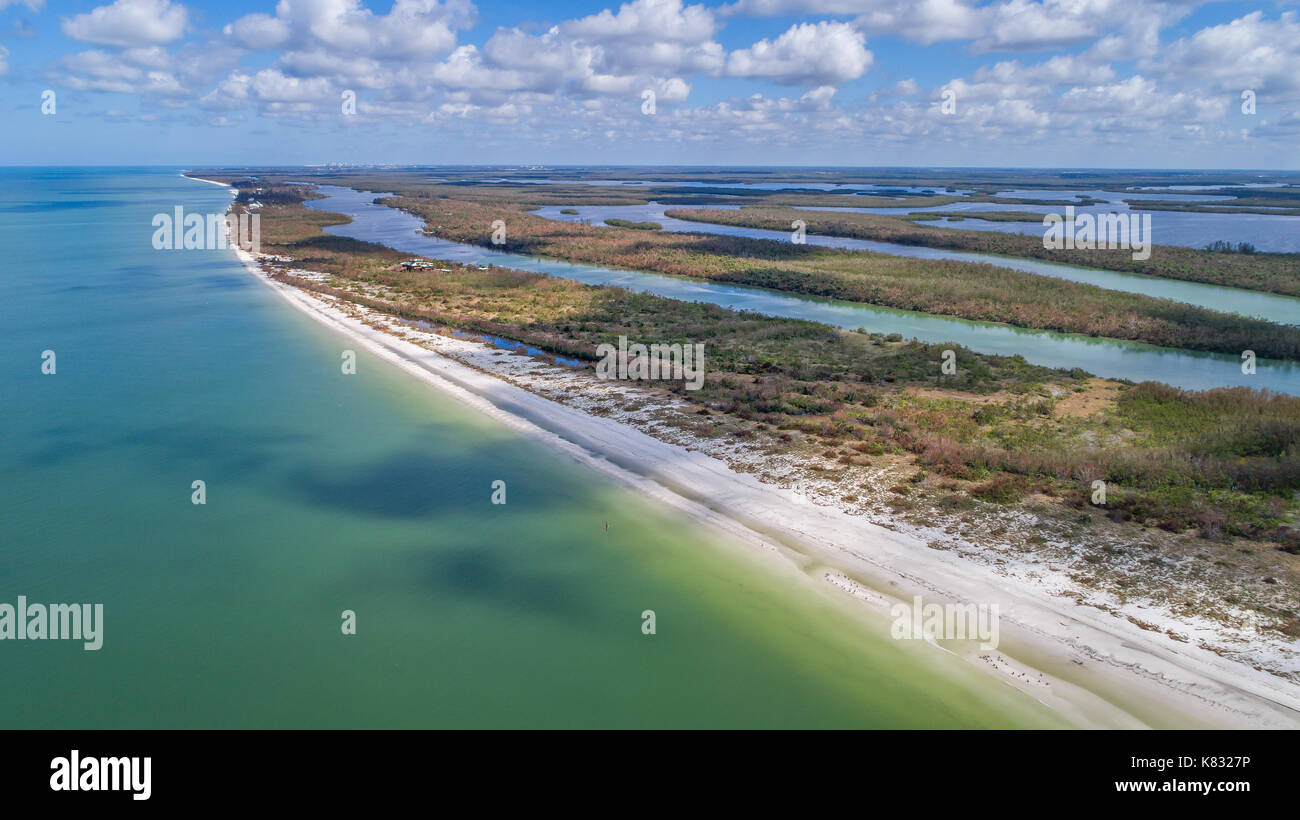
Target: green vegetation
[962, 289]
[635, 226]
[1271, 272]
[1273, 201]
[987, 216]
[1222, 246]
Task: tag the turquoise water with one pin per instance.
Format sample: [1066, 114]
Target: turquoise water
[1103, 357]
[369, 492]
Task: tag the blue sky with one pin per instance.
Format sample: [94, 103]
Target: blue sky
[1078, 83]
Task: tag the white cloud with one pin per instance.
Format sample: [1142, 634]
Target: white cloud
[1251, 52]
[609, 55]
[258, 31]
[1126, 28]
[773, 8]
[646, 21]
[805, 54]
[1057, 71]
[465, 69]
[1026, 25]
[918, 21]
[274, 93]
[924, 21]
[128, 23]
[131, 72]
[4, 61]
[413, 29]
[549, 53]
[272, 86]
[145, 70]
[1138, 105]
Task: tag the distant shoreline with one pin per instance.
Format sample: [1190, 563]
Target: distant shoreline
[209, 181]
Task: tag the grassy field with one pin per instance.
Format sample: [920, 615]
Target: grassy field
[636, 226]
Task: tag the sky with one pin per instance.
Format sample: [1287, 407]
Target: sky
[999, 83]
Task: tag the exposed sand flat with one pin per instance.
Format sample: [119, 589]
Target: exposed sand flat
[209, 181]
[1089, 666]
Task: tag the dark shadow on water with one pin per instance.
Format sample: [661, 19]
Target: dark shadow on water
[489, 577]
[413, 484]
[226, 449]
[486, 575]
[73, 205]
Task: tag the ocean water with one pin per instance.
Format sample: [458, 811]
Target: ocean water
[370, 492]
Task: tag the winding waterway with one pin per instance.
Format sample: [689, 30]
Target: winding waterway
[1267, 306]
[1104, 357]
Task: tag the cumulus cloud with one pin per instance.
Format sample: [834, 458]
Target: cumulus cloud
[1130, 27]
[412, 29]
[131, 72]
[465, 68]
[918, 21]
[274, 93]
[1138, 103]
[646, 21]
[128, 23]
[924, 21]
[1251, 52]
[646, 44]
[1026, 25]
[258, 31]
[149, 71]
[1057, 71]
[773, 8]
[806, 54]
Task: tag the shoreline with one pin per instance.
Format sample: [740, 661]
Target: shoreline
[209, 181]
[1101, 672]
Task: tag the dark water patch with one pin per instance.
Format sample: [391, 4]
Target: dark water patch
[58, 205]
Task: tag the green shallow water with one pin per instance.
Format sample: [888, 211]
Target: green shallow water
[368, 492]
